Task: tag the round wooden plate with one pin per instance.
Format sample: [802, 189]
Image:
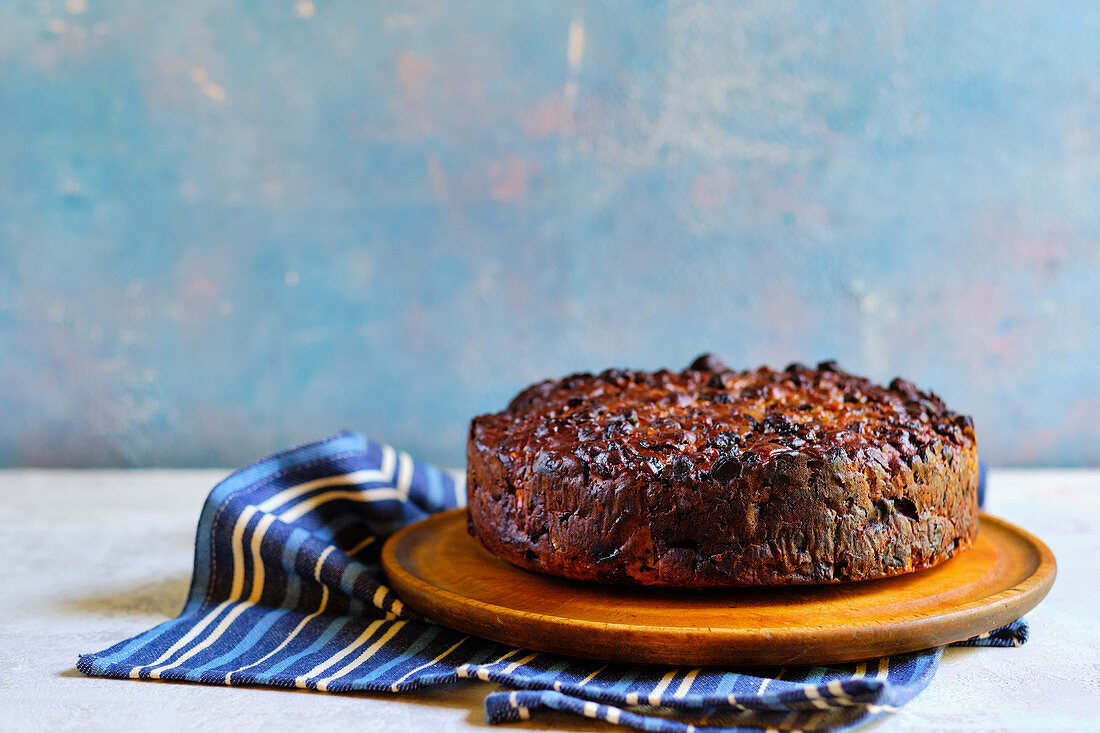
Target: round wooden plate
[446, 575]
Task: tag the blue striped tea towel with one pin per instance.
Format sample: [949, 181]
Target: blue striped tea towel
[287, 591]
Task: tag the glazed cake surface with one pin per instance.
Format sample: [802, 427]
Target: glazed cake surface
[712, 477]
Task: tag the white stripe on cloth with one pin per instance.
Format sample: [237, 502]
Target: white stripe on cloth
[379, 601]
[524, 713]
[391, 460]
[362, 545]
[685, 685]
[238, 588]
[836, 689]
[512, 666]
[186, 639]
[322, 685]
[767, 681]
[333, 660]
[289, 515]
[385, 473]
[399, 492]
[301, 624]
[814, 696]
[654, 697]
[591, 677]
[480, 670]
[368, 475]
[427, 664]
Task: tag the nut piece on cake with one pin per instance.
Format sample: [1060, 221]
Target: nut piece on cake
[712, 477]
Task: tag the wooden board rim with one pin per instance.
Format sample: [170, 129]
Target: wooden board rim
[812, 644]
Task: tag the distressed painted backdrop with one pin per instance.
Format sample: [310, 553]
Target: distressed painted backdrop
[229, 227]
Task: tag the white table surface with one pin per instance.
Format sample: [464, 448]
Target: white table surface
[93, 557]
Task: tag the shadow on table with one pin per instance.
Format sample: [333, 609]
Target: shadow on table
[161, 598]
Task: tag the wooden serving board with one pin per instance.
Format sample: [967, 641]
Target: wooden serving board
[446, 575]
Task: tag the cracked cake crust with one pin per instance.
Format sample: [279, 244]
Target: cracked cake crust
[712, 477]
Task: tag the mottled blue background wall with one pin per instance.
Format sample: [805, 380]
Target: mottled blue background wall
[226, 228]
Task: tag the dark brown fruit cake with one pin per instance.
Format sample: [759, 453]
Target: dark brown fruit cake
[718, 478]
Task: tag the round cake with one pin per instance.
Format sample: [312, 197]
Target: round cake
[718, 478]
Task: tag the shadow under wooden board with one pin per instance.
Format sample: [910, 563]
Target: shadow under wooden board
[446, 575]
